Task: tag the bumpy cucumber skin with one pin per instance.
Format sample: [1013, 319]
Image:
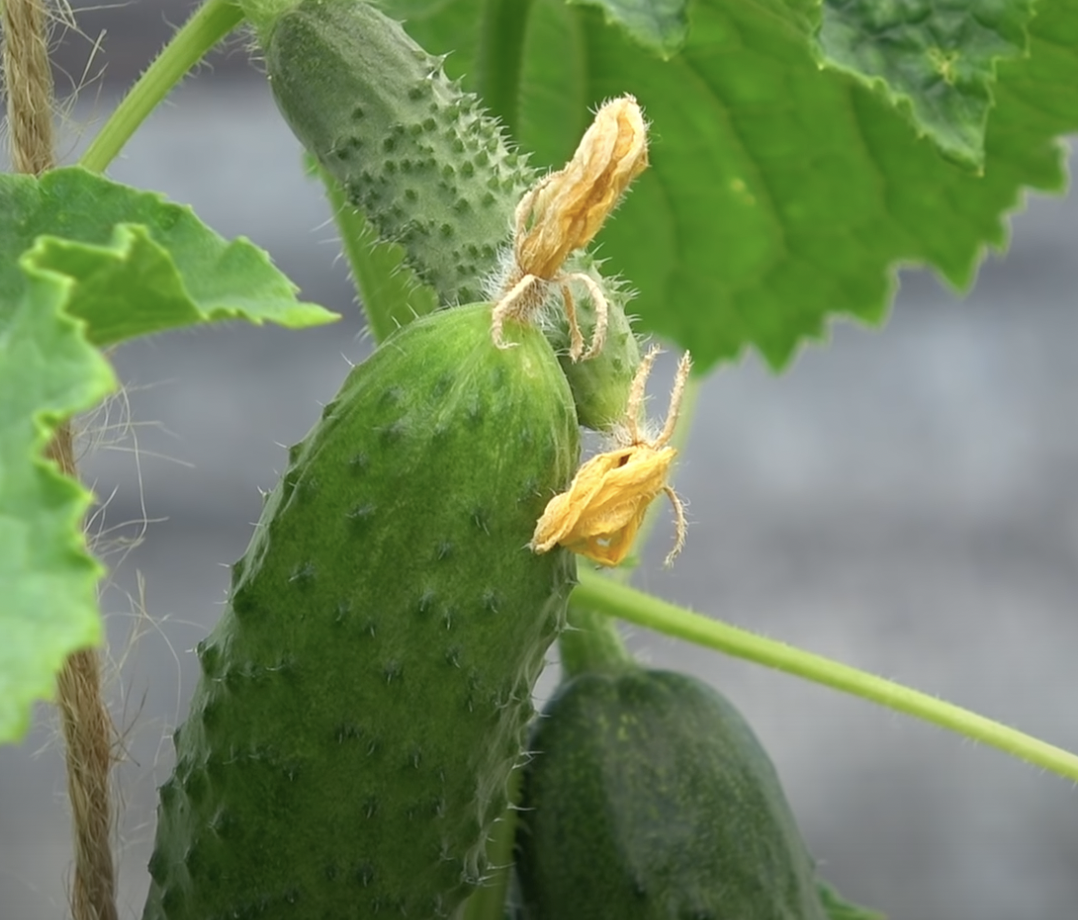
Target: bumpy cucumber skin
[413, 152]
[600, 385]
[648, 797]
[366, 692]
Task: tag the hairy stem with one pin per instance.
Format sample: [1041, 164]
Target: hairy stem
[390, 294]
[591, 643]
[604, 595]
[207, 26]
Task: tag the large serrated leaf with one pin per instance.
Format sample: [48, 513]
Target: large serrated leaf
[937, 56]
[107, 236]
[780, 195]
[660, 25]
[48, 580]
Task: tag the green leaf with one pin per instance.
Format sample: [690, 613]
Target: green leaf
[660, 25]
[84, 262]
[780, 195]
[938, 57]
[48, 371]
[140, 264]
[838, 908]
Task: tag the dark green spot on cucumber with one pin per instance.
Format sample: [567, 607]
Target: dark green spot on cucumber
[360, 516]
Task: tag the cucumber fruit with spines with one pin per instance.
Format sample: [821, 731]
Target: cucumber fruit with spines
[365, 694]
[414, 152]
[648, 797]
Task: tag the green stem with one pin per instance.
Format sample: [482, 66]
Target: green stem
[206, 27]
[603, 595]
[591, 643]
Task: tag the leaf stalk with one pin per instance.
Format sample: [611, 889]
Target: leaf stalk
[210, 23]
[606, 596]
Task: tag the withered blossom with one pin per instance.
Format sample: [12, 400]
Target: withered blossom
[564, 211]
[599, 515]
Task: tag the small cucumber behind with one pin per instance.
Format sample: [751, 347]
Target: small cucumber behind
[364, 696]
[648, 797]
[601, 384]
[414, 152]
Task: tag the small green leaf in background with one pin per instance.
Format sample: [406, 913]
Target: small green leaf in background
[781, 195]
[937, 56]
[838, 908]
[141, 264]
[48, 581]
[660, 25]
[87, 262]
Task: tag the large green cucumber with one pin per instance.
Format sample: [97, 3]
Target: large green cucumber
[648, 797]
[364, 696]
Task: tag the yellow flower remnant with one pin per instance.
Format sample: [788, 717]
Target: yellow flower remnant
[600, 513]
[563, 212]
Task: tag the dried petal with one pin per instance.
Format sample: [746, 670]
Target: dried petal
[566, 209]
[599, 514]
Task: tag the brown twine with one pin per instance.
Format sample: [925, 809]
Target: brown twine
[89, 734]
[29, 84]
[87, 726]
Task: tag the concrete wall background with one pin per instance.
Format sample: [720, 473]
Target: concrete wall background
[905, 501]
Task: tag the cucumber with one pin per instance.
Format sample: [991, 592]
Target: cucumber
[365, 694]
[413, 152]
[647, 797]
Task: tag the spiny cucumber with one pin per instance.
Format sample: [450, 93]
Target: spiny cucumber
[414, 152]
[363, 697]
[648, 797]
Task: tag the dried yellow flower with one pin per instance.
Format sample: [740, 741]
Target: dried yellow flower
[600, 513]
[562, 213]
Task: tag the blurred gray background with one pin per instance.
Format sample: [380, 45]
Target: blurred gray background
[903, 500]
